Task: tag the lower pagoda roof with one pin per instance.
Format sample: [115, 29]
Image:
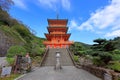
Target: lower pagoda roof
[49, 36]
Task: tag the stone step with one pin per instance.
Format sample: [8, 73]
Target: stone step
[50, 59]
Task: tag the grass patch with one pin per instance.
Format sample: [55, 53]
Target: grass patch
[11, 77]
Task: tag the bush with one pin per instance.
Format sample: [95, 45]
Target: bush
[115, 66]
[116, 57]
[37, 51]
[76, 58]
[116, 51]
[105, 57]
[96, 61]
[82, 53]
[22, 30]
[15, 50]
[10, 60]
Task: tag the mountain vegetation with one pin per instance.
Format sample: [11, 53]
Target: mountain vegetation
[104, 53]
[16, 37]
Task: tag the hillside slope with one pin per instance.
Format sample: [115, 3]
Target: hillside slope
[13, 32]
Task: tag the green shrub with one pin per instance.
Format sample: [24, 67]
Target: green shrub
[37, 51]
[76, 58]
[15, 50]
[81, 53]
[10, 60]
[115, 66]
[36, 59]
[88, 57]
[116, 57]
[116, 51]
[97, 61]
[22, 30]
[105, 57]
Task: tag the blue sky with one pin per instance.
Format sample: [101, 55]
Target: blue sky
[88, 19]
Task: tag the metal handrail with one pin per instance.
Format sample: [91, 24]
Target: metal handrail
[43, 58]
[71, 56]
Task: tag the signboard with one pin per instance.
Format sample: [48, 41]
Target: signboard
[6, 71]
[107, 76]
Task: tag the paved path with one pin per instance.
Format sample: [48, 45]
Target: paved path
[67, 73]
[3, 61]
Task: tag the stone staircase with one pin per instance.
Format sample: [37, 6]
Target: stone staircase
[50, 58]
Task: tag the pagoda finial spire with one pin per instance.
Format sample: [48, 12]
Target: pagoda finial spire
[57, 16]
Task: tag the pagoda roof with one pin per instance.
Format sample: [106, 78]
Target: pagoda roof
[50, 29]
[57, 22]
[49, 36]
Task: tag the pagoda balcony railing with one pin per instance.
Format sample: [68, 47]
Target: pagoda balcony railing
[57, 33]
[65, 42]
[58, 26]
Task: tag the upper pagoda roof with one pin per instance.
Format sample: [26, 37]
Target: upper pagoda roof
[57, 22]
[64, 29]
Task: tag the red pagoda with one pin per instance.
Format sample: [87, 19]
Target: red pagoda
[57, 36]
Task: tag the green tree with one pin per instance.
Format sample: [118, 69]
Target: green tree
[5, 19]
[109, 46]
[99, 41]
[15, 50]
[5, 4]
[105, 57]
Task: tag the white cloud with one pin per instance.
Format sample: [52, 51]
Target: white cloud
[115, 33]
[53, 4]
[105, 19]
[20, 4]
[73, 24]
[48, 3]
[66, 4]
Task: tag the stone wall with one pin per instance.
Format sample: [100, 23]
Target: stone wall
[100, 72]
[5, 43]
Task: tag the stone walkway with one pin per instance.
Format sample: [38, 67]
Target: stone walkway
[3, 61]
[67, 73]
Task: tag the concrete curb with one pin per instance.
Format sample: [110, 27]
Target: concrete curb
[19, 77]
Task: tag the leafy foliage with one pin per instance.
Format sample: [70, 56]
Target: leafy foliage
[23, 31]
[96, 61]
[10, 60]
[76, 58]
[99, 41]
[15, 50]
[105, 57]
[116, 57]
[115, 66]
[79, 48]
[5, 4]
[6, 19]
[109, 46]
[37, 51]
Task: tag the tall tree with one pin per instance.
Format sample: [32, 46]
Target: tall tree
[5, 4]
[99, 41]
[109, 46]
[99, 46]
